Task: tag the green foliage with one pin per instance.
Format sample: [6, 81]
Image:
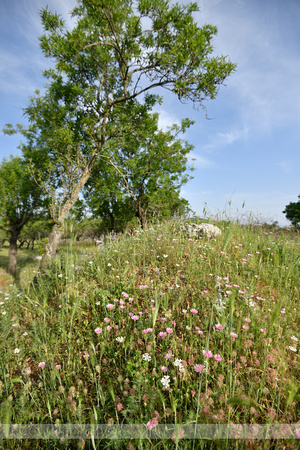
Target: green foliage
[292, 212]
[102, 66]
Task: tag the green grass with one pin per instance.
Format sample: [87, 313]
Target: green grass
[246, 282]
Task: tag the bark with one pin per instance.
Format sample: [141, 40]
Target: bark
[13, 251]
[51, 247]
[55, 235]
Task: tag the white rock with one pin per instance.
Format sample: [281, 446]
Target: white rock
[195, 230]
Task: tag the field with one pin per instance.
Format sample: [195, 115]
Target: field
[154, 329]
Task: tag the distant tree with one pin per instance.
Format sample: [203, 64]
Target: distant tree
[20, 200]
[117, 51]
[292, 212]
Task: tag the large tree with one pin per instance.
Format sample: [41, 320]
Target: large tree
[20, 201]
[292, 212]
[117, 51]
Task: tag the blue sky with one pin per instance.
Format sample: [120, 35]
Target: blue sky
[248, 152]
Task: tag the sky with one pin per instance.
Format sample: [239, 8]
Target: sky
[246, 145]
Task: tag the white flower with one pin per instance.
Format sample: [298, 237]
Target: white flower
[1, 303]
[17, 350]
[184, 311]
[120, 339]
[165, 381]
[294, 338]
[3, 313]
[60, 275]
[109, 265]
[165, 256]
[146, 357]
[292, 348]
[178, 363]
[188, 328]
[25, 334]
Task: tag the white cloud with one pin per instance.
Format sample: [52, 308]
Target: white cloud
[223, 139]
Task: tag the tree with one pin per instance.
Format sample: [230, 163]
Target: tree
[20, 198]
[292, 212]
[108, 59]
[147, 166]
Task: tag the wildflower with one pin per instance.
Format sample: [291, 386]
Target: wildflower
[135, 317]
[294, 338]
[218, 358]
[17, 350]
[163, 368]
[110, 306]
[42, 364]
[245, 327]
[169, 330]
[283, 311]
[198, 368]
[162, 334]
[194, 311]
[247, 320]
[262, 330]
[184, 311]
[146, 357]
[106, 319]
[165, 256]
[234, 335]
[188, 328]
[219, 326]
[151, 424]
[207, 354]
[58, 366]
[108, 328]
[124, 293]
[98, 330]
[193, 392]
[292, 348]
[120, 339]
[165, 381]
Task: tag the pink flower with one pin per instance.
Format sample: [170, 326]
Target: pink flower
[207, 354]
[218, 358]
[194, 311]
[262, 330]
[162, 334]
[234, 335]
[151, 424]
[108, 328]
[110, 306]
[58, 366]
[200, 332]
[219, 326]
[198, 368]
[42, 364]
[245, 327]
[135, 317]
[205, 292]
[125, 295]
[163, 368]
[169, 330]
[247, 320]
[98, 330]
[149, 330]
[106, 319]
[193, 392]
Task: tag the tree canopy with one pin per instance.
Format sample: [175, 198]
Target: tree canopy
[118, 51]
[292, 212]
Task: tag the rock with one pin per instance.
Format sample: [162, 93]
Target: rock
[37, 258]
[194, 230]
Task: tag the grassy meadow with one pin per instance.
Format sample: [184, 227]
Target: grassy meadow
[155, 328]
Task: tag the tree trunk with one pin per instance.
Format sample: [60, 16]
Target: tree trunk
[55, 234]
[51, 247]
[13, 251]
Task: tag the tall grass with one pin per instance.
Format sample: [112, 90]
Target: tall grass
[156, 328]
